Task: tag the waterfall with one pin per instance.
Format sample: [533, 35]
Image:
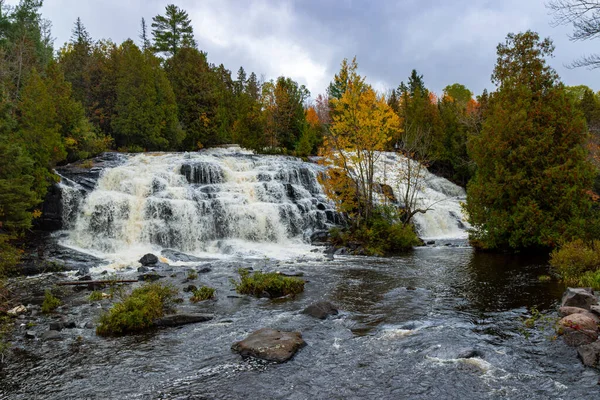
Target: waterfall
[214, 201]
[444, 218]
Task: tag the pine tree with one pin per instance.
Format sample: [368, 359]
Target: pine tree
[145, 109]
[529, 190]
[144, 36]
[173, 31]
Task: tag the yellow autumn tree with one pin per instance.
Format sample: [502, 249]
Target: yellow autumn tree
[362, 124]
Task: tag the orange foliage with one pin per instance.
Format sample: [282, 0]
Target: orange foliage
[312, 117]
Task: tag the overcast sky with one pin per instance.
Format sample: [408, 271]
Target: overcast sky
[447, 41]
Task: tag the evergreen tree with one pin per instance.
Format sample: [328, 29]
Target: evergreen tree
[173, 31]
[39, 131]
[145, 109]
[194, 85]
[532, 174]
[144, 36]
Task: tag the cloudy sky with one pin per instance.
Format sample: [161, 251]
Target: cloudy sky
[446, 41]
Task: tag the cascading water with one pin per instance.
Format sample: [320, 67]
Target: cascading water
[441, 198]
[216, 201]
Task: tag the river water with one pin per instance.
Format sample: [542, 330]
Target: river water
[441, 322]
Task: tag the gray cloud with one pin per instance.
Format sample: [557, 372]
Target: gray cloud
[445, 41]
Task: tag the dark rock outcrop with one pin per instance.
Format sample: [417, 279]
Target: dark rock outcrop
[270, 344]
[149, 277]
[182, 319]
[175, 255]
[320, 310]
[148, 260]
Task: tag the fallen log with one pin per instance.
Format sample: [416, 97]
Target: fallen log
[106, 282]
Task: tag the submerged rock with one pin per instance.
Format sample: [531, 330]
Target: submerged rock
[175, 255]
[148, 259]
[578, 297]
[182, 319]
[320, 310]
[589, 354]
[270, 344]
[51, 335]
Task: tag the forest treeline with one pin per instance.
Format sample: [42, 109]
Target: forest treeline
[159, 92]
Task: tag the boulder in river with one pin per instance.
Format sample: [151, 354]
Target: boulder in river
[590, 354]
[595, 310]
[581, 321]
[148, 259]
[182, 319]
[270, 344]
[578, 337]
[320, 310]
[567, 310]
[579, 297]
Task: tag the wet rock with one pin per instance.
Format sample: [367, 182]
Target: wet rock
[595, 310]
[148, 259]
[18, 310]
[342, 251]
[56, 326]
[589, 354]
[469, 353]
[319, 237]
[411, 288]
[566, 310]
[175, 255]
[30, 335]
[430, 242]
[149, 277]
[143, 269]
[579, 322]
[182, 319]
[89, 325]
[204, 270]
[320, 310]
[51, 335]
[70, 325]
[270, 344]
[575, 338]
[190, 288]
[578, 297]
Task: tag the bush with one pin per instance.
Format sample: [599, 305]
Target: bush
[203, 293]
[383, 234]
[137, 311]
[96, 295]
[273, 284]
[577, 259]
[50, 303]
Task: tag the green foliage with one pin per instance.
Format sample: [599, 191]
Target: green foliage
[137, 311]
[172, 31]
[202, 293]
[578, 263]
[272, 284]
[145, 108]
[458, 93]
[381, 235]
[529, 188]
[50, 303]
[192, 275]
[96, 295]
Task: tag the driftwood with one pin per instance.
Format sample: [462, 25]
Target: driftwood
[106, 282]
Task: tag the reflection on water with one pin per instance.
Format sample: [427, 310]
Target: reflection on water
[404, 328]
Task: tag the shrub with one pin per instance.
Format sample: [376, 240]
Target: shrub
[192, 275]
[137, 311]
[50, 303]
[383, 234]
[203, 293]
[577, 262]
[272, 284]
[96, 295]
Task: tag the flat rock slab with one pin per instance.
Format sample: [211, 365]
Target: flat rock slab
[579, 297]
[182, 319]
[270, 344]
[321, 310]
